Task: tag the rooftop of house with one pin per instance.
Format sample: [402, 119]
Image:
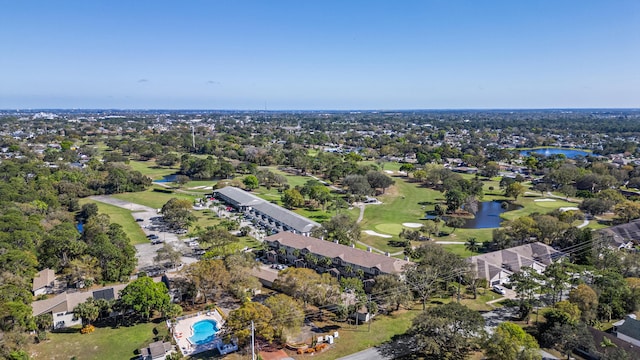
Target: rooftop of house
[520, 256]
[43, 278]
[623, 233]
[243, 198]
[156, 349]
[385, 264]
[67, 301]
[630, 327]
[513, 259]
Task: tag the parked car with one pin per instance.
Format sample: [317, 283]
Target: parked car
[139, 220]
[153, 236]
[499, 289]
[156, 241]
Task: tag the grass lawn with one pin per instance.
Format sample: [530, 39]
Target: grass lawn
[353, 339]
[151, 169]
[530, 206]
[123, 217]
[152, 198]
[105, 343]
[459, 250]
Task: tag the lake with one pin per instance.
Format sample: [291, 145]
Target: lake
[569, 153]
[167, 178]
[488, 215]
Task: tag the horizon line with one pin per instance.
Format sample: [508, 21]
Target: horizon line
[17, 109]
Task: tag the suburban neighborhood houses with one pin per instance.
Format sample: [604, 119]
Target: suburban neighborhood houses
[117, 233]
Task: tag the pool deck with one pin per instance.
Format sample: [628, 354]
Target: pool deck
[183, 330]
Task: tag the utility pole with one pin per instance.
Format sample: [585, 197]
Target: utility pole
[253, 341]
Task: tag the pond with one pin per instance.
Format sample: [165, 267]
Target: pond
[569, 153]
[488, 215]
[167, 179]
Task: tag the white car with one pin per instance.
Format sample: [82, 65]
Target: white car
[499, 289]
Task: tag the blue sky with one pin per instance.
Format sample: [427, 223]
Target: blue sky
[303, 54]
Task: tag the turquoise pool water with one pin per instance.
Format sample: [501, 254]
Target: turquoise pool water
[204, 332]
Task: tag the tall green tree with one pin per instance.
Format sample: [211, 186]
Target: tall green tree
[341, 227]
[239, 320]
[177, 213]
[448, 332]
[510, 342]
[288, 314]
[210, 277]
[144, 296]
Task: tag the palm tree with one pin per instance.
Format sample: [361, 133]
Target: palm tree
[472, 245]
[311, 259]
[360, 273]
[326, 262]
[348, 269]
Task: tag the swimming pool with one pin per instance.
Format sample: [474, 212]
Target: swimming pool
[204, 332]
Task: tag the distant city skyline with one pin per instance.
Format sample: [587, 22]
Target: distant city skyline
[315, 55]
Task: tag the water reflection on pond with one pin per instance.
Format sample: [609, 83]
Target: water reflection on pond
[488, 215]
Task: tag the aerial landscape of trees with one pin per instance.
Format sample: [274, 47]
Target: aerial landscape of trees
[461, 159]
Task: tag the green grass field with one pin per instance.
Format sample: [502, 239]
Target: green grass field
[105, 343]
[408, 202]
[151, 169]
[152, 198]
[123, 217]
[353, 339]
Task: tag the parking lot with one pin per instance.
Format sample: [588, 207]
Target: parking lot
[153, 226]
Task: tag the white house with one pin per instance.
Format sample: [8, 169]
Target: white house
[61, 306]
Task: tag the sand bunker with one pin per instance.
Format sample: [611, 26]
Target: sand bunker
[569, 208]
[412, 225]
[371, 232]
[544, 200]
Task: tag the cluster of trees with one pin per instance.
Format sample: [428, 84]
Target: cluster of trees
[138, 300]
[37, 231]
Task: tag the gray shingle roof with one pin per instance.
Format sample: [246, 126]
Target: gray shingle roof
[630, 327]
[513, 259]
[385, 264]
[242, 197]
[293, 220]
[623, 233]
[43, 278]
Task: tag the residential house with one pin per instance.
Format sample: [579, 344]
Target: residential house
[628, 330]
[271, 216]
[44, 282]
[158, 350]
[61, 306]
[343, 258]
[497, 266]
[622, 236]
